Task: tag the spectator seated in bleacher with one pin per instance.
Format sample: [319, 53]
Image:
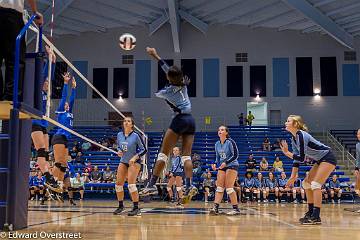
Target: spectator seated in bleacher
[88, 166]
[278, 165]
[271, 186]
[334, 188]
[108, 175]
[324, 191]
[259, 187]
[76, 154]
[37, 186]
[276, 145]
[85, 146]
[264, 165]
[283, 189]
[297, 189]
[76, 185]
[105, 143]
[195, 158]
[247, 187]
[86, 175]
[204, 175]
[266, 146]
[95, 175]
[208, 185]
[250, 163]
[197, 169]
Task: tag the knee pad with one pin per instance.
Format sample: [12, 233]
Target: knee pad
[305, 185]
[230, 191]
[41, 152]
[47, 157]
[119, 188]
[179, 189]
[219, 189]
[315, 185]
[162, 157]
[184, 159]
[61, 167]
[168, 188]
[132, 188]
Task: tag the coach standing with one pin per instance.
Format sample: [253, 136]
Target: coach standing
[11, 23]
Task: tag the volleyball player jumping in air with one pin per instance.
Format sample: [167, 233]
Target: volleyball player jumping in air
[39, 134]
[183, 125]
[60, 139]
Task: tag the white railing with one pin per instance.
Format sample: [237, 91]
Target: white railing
[347, 158]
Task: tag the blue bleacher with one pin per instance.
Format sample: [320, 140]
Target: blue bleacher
[249, 141]
[347, 138]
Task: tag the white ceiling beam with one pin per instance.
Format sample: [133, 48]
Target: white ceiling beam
[174, 20]
[323, 21]
[196, 22]
[158, 23]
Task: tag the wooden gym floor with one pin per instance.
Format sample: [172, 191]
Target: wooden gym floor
[94, 220]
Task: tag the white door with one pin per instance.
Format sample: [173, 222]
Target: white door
[260, 112]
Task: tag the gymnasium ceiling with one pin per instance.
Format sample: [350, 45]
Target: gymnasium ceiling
[340, 19]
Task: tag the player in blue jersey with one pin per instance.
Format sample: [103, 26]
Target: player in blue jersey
[176, 176]
[227, 165]
[182, 125]
[60, 138]
[37, 186]
[304, 146]
[131, 148]
[39, 134]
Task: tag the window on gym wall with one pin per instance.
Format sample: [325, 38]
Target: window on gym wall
[304, 76]
[328, 73]
[100, 81]
[121, 83]
[188, 67]
[58, 81]
[258, 81]
[162, 80]
[234, 81]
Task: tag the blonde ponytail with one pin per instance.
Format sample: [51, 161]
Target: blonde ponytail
[299, 122]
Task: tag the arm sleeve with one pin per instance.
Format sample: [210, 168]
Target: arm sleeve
[141, 148]
[234, 152]
[163, 93]
[164, 66]
[61, 107]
